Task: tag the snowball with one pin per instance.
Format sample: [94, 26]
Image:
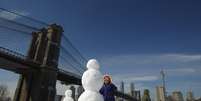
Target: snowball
[92, 80]
[93, 64]
[91, 96]
[68, 93]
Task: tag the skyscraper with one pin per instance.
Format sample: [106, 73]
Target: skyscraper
[137, 95]
[189, 96]
[132, 90]
[177, 96]
[122, 89]
[160, 93]
[164, 83]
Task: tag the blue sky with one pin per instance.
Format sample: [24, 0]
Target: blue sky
[133, 39]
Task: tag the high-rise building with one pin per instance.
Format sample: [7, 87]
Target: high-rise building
[169, 98]
[189, 96]
[177, 96]
[163, 75]
[122, 87]
[132, 90]
[160, 93]
[137, 95]
[134, 93]
[122, 90]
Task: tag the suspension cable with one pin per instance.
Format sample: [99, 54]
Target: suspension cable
[72, 66]
[66, 52]
[29, 18]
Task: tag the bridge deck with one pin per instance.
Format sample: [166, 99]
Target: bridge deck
[15, 62]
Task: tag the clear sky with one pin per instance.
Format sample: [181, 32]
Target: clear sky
[133, 39]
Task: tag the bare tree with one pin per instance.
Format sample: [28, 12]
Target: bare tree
[3, 92]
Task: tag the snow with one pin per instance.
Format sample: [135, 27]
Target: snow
[68, 95]
[92, 81]
[90, 96]
[93, 64]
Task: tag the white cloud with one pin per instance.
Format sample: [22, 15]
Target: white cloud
[145, 68]
[181, 57]
[144, 78]
[134, 78]
[150, 59]
[153, 63]
[181, 70]
[11, 16]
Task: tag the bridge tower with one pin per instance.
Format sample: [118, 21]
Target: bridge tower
[40, 84]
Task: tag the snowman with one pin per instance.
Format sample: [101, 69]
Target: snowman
[92, 82]
[68, 95]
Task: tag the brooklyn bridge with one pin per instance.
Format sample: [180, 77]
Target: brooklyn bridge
[45, 60]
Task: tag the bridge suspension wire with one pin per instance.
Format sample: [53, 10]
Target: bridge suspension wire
[71, 65]
[19, 24]
[72, 57]
[12, 29]
[69, 42]
[26, 17]
[15, 26]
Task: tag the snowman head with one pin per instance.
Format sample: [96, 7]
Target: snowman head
[93, 64]
[68, 93]
[92, 78]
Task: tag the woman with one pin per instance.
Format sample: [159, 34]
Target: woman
[108, 89]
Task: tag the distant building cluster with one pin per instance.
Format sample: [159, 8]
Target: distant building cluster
[175, 96]
[135, 93]
[161, 94]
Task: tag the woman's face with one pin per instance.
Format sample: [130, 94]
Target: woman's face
[106, 80]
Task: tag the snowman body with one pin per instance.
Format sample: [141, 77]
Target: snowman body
[68, 99]
[68, 96]
[92, 82]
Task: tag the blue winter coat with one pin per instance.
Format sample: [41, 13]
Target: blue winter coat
[108, 91]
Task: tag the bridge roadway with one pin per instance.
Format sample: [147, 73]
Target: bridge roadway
[15, 62]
